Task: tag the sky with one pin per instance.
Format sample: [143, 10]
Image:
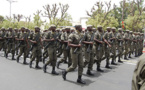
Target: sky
[77, 8]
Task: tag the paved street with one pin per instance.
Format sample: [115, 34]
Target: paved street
[16, 76]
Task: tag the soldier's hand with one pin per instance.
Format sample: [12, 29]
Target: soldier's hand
[109, 45]
[79, 45]
[52, 39]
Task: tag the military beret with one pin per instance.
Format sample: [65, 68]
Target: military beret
[2, 28]
[127, 30]
[52, 26]
[99, 26]
[113, 28]
[89, 25]
[108, 27]
[130, 31]
[119, 29]
[67, 28]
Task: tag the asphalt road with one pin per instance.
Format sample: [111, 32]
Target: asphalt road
[16, 76]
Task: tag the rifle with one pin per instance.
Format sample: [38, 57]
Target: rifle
[92, 38]
[20, 42]
[50, 42]
[100, 45]
[33, 44]
[80, 43]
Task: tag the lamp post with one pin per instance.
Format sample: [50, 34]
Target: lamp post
[11, 1]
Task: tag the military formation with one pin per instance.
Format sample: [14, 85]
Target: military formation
[76, 47]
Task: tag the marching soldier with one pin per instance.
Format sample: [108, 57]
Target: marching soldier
[130, 43]
[2, 39]
[75, 41]
[23, 45]
[113, 44]
[88, 49]
[106, 39]
[36, 48]
[120, 44]
[66, 48]
[98, 47]
[10, 43]
[51, 39]
[126, 38]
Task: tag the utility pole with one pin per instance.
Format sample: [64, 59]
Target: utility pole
[11, 1]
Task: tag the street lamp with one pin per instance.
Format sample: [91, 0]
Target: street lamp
[11, 1]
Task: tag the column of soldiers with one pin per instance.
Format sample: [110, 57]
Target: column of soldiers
[77, 47]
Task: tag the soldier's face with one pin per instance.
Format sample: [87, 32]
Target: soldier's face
[89, 28]
[109, 29]
[80, 29]
[68, 30]
[100, 29]
[53, 29]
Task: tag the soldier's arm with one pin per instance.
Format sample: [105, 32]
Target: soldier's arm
[70, 40]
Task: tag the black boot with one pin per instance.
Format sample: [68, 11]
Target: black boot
[37, 66]
[99, 69]
[17, 59]
[64, 74]
[58, 64]
[79, 80]
[44, 68]
[25, 63]
[54, 72]
[30, 65]
[107, 66]
[119, 60]
[65, 62]
[113, 63]
[13, 58]
[129, 56]
[90, 73]
[6, 55]
[125, 57]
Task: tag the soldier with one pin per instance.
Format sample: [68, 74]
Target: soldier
[66, 49]
[89, 53]
[142, 42]
[120, 44]
[113, 44]
[106, 39]
[130, 43]
[23, 44]
[10, 43]
[138, 80]
[17, 34]
[2, 39]
[74, 41]
[126, 38]
[135, 43]
[36, 48]
[98, 47]
[60, 49]
[51, 39]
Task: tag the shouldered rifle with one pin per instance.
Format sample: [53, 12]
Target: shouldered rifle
[92, 38]
[80, 43]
